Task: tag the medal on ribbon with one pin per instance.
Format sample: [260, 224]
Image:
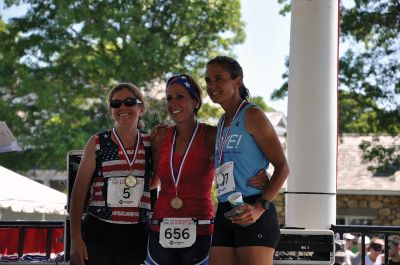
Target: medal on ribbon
[130, 181]
[219, 179]
[177, 203]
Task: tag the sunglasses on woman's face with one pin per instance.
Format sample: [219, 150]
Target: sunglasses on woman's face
[376, 247]
[129, 102]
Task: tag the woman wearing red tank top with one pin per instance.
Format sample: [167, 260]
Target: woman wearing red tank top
[183, 162]
[183, 159]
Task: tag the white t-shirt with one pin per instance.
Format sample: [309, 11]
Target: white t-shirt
[348, 256]
[378, 260]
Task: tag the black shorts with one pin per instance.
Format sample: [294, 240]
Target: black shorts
[196, 254]
[264, 232]
[114, 244]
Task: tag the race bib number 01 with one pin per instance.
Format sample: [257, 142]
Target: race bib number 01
[120, 195]
[177, 232]
[224, 178]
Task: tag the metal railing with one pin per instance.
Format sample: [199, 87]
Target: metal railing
[368, 230]
[361, 230]
[23, 225]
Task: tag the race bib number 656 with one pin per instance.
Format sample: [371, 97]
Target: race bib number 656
[177, 232]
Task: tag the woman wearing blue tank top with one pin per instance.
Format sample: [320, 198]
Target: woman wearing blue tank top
[246, 142]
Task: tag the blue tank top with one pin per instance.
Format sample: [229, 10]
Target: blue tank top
[240, 148]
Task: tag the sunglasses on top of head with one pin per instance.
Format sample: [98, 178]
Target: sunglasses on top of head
[129, 102]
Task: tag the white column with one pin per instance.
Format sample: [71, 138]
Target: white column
[312, 114]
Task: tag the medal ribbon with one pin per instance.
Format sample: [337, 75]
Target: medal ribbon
[130, 162]
[222, 140]
[171, 160]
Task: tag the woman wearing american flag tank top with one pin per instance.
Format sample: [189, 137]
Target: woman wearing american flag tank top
[114, 177]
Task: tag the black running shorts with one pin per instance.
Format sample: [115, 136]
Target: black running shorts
[264, 232]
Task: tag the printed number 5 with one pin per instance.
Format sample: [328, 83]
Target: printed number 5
[127, 194]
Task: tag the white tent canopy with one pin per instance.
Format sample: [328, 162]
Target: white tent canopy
[22, 194]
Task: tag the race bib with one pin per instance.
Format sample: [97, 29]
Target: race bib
[120, 195]
[177, 232]
[224, 178]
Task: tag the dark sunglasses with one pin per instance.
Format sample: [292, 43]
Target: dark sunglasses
[129, 102]
[376, 247]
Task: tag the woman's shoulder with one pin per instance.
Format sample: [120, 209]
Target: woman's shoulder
[104, 133]
[102, 136]
[159, 136]
[255, 113]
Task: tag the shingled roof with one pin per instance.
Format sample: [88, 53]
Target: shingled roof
[353, 176]
[278, 120]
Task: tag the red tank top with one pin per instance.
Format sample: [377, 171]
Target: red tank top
[195, 183]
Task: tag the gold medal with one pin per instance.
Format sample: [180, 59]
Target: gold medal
[176, 203]
[220, 179]
[130, 181]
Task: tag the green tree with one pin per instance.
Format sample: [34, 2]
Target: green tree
[61, 57]
[369, 75]
[259, 101]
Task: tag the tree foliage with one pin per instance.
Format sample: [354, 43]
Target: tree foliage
[58, 61]
[259, 101]
[369, 73]
[382, 160]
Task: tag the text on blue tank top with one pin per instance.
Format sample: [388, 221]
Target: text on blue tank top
[241, 148]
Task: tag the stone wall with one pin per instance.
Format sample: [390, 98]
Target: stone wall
[280, 207]
[386, 208]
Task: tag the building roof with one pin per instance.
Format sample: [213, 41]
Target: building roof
[353, 176]
[278, 120]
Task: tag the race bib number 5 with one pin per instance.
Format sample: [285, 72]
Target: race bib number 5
[120, 195]
[177, 232]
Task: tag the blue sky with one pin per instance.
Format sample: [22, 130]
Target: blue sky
[263, 53]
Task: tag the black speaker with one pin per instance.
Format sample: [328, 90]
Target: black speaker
[67, 240]
[305, 246]
[73, 160]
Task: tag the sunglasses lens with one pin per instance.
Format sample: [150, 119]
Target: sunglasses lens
[130, 102]
[115, 103]
[376, 247]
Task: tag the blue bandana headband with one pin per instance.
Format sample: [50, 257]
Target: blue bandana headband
[183, 81]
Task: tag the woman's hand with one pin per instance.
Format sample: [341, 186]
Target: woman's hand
[259, 181]
[250, 213]
[78, 252]
[157, 128]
